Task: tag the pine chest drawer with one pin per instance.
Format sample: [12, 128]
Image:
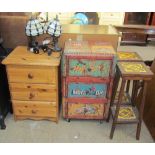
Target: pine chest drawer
[33, 84]
[31, 74]
[28, 91]
[34, 108]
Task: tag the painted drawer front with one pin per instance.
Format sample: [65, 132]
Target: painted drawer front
[87, 90]
[80, 110]
[85, 67]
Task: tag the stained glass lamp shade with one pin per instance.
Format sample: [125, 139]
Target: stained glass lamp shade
[33, 28]
[53, 27]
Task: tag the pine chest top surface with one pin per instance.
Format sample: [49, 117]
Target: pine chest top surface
[88, 48]
[22, 56]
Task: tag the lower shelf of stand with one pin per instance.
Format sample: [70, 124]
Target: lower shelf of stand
[127, 114]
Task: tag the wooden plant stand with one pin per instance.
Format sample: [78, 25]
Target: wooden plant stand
[128, 113]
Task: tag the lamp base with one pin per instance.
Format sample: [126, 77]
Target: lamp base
[33, 45]
[55, 44]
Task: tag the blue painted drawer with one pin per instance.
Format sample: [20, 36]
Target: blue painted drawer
[96, 90]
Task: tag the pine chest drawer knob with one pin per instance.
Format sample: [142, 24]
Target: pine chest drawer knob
[30, 76]
[34, 111]
[31, 96]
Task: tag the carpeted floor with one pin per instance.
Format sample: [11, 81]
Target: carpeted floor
[77, 131]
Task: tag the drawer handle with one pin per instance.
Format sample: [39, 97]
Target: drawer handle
[34, 111]
[30, 76]
[20, 111]
[31, 96]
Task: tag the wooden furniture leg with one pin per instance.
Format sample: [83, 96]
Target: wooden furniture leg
[141, 111]
[114, 90]
[115, 85]
[2, 123]
[134, 92]
[117, 108]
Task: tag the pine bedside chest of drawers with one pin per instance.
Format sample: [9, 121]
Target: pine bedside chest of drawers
[33, 84]
[87, 78]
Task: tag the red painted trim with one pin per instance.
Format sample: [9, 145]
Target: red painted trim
[91, 57]
[110, 89]
[87, 79]
[111, 68]
[85, 117]
[86, 100]
[67, 66]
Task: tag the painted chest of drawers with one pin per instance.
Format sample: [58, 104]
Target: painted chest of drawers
[33, 84]
[87, 78]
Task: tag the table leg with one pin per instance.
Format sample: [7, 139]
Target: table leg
[117, 108]
[114, 90]
[141, 111]
[2, 123]
[134, 92]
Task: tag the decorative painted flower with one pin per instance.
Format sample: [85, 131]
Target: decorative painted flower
[93, 88]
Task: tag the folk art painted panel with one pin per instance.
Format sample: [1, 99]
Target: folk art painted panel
[128, 56]
[81, 61]
[133, 67]
[85, 110]
[86, 67]
[87, 90]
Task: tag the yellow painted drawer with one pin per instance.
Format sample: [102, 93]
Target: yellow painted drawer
[90, 111]
[39, 92]
[34, 108]
[31, 74]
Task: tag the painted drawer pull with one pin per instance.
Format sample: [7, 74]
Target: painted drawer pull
[34, 111]
[30, 76]
[31, 96]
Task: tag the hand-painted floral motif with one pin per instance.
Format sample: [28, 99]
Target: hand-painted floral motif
[126, 113]
[87, 90]
[127, 55]
[85, 110]
[85, 67]
[133, 67]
